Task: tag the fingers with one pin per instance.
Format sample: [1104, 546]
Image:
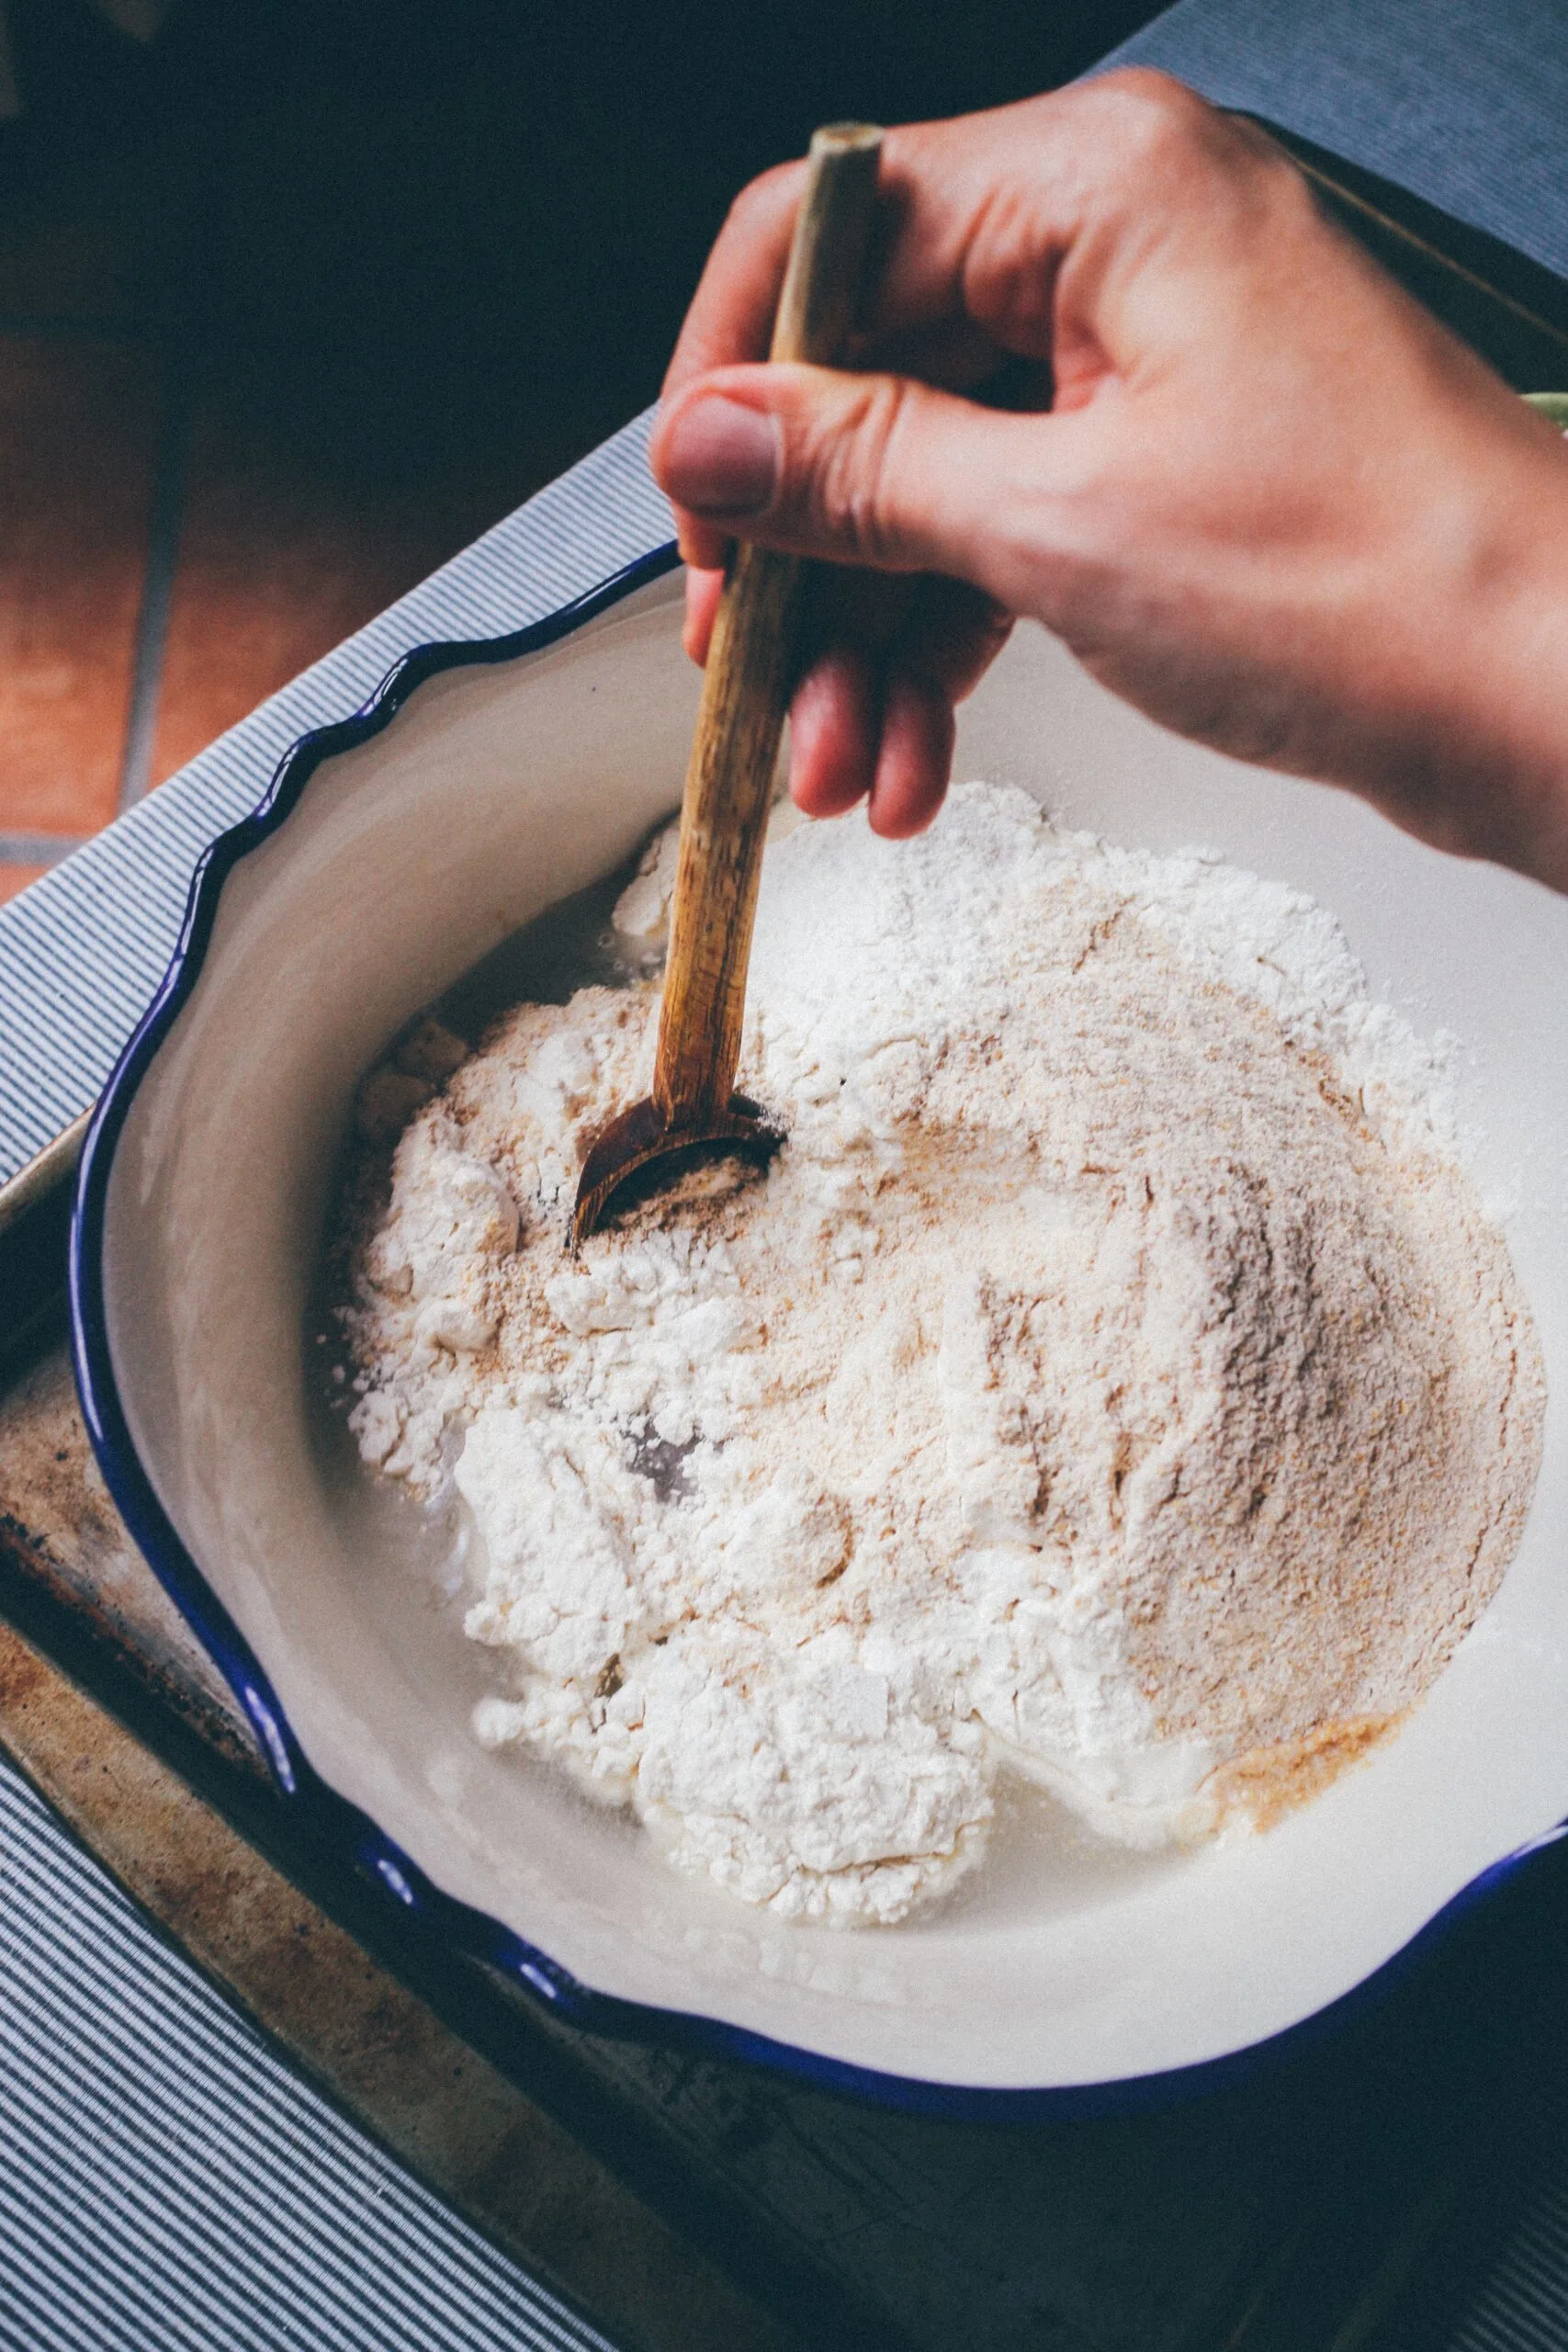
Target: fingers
[732, 314]
[975, 215]
[1022, 234]
[855, 733]
[735, 455]
[920, 327]
[914, 760]
[703, 589]
[874, 713]
[872, 470]
[948, 639]
[916, 316]
[888, 660]
[835, 732]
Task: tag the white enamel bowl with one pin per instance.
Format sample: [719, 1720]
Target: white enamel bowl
[398, 850]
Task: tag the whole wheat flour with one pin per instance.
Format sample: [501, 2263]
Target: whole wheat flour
[1114, 1379]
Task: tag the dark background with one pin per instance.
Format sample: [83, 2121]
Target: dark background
[406, 235]
[299, 299]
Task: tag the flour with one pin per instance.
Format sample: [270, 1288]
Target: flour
[1114, 1379]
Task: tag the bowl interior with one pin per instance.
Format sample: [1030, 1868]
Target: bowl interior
[495, 793]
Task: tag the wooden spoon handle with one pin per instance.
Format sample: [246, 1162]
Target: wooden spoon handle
[751, 674]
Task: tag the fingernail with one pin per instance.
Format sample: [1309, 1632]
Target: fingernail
[720, 457]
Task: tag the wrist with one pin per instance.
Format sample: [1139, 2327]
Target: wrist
[1462, 733]
[1512, 757]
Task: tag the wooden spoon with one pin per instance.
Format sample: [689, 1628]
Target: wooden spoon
[750, 675]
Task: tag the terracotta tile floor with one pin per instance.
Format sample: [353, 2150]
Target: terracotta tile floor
[275, 565]
[78, 443]
[162, 568]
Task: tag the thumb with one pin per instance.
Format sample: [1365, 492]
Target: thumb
[875, 470]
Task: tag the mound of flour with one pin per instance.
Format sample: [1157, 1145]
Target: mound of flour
[1114, 1379]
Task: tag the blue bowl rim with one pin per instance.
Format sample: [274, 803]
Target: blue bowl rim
[341, 1829]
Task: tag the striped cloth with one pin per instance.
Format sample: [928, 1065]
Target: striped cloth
[1523, 2307]
[1462, 102]
[168, 2185]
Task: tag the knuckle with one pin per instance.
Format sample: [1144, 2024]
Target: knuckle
[1166, 132]
[852, 481]
[1158, 115]
[1167, 137]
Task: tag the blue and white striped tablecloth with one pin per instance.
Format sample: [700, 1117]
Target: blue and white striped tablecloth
[168, 2185]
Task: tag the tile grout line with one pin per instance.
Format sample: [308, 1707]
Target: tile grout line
[157, 584]
[38, 849]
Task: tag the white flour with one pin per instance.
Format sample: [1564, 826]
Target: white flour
[1114, 1379]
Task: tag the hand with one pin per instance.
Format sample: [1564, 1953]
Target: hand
[1120, 376]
